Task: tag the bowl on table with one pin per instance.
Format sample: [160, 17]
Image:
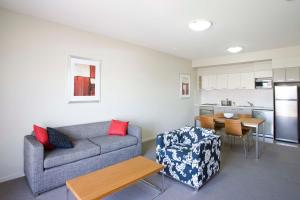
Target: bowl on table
[228, 115]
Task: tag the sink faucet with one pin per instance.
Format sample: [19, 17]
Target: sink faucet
[251, 104]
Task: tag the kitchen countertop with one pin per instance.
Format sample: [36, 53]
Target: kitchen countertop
[249, 107]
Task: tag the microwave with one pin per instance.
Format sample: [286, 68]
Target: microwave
[263, 83]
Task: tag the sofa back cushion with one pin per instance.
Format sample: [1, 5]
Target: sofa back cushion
[42, 136]
[58, 140]
[83, 131]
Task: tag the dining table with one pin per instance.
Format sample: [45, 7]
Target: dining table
[250, 122]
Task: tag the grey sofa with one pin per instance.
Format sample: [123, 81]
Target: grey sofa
[93, 149]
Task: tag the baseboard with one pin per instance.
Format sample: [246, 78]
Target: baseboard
[11, 177]
[148, 139]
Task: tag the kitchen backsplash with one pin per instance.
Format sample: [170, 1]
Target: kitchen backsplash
[257, 97]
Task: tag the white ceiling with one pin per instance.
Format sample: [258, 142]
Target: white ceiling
[163, 24]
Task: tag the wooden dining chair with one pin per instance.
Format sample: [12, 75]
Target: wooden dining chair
[247, 128]
[219, 126]
[207, 121]
[233, 127]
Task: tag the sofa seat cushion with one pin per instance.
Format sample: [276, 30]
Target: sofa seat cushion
[110, 143]
[82, 149]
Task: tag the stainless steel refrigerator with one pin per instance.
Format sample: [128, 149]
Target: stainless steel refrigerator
[286, 113]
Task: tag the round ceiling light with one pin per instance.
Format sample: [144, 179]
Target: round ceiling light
[235, 49]
[200, 25]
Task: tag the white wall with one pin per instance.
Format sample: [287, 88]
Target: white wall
[236, 68]
[241, 97]
[282, 57]
[138, 84]
[258, 97]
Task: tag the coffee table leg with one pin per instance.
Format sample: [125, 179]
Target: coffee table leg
[160, 189]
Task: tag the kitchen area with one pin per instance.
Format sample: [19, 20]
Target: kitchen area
[254, 89]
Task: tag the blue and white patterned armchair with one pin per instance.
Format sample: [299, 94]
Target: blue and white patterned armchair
[190, 155]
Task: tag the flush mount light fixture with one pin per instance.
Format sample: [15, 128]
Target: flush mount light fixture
[200, 25]
[235, 49]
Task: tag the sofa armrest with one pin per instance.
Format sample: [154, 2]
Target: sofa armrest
[135, 131]
[33, 157]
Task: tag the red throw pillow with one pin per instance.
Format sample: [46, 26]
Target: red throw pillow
[118, 128]
[42, 136]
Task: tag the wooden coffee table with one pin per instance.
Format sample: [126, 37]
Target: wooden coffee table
[103, 182]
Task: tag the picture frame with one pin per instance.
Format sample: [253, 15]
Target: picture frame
[84, 80]
[185, 85]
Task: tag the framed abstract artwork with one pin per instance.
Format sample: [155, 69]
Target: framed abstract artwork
[185, 86]
[84, 80]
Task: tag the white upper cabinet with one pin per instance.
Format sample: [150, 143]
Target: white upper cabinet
[222, 80]
[213, 82]
[234, 81]
[263, 74]
[209, 82]
[247, 80]
[228, 81]
[279, 75]
[205, 82]
[292, 74]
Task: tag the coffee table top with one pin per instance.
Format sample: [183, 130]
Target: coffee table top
[106, 181]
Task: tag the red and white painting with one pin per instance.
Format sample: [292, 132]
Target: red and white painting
[185, 85]
[84, 80]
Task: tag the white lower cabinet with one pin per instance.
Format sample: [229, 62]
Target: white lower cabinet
[231, 110]
[245, 111]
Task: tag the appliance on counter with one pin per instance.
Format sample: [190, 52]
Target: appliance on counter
[286, 114]
[226, 102]
[266, 115]
[263, 83]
